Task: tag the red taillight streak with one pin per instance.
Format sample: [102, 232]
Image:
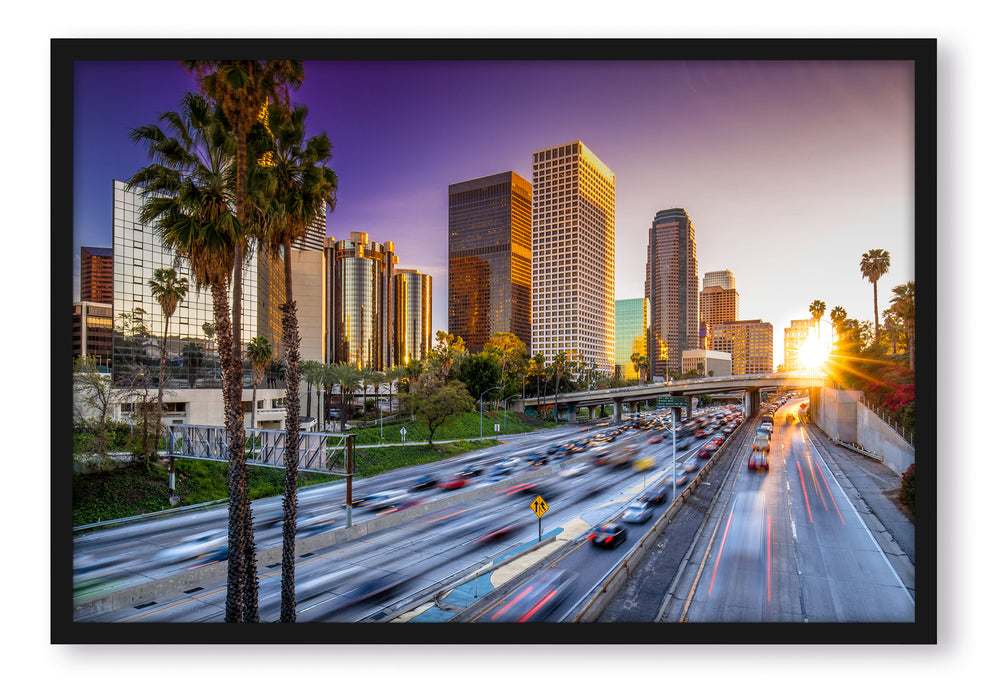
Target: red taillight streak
[719, 557]
[825, 481]
[539, 605]
[768, 557]
[512, 602]
[808, 505]
[608, 539]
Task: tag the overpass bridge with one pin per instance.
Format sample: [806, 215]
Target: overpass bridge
[747, 386]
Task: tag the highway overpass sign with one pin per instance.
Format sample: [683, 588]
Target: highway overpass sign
[672, 401]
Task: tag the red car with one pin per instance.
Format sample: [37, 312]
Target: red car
[758, 460]
[455, 482]
[708, 449]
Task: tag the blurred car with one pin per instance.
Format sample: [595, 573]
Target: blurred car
[637, 513]
[575, 469]
[609, 535]
[536, 459]
[761, 442]
[708, 449]
[643, 463]
[454, 481]
[471, 472]
[211, 545]
[537, 598]
[423, 483]
[656, 494]
[386, 499]
[499, 471]
[758, 460]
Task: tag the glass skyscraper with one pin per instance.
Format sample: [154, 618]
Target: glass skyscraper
[574, 255]
[632, 319]
[749, 342]
[672, 288]
[489, 253]
[138, 318]
[412, 315]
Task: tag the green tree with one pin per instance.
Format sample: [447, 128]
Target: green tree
[837, 316]
[435, 401]
[560, 365]
[479, 373]
[169, 290]
[817, 310]
[874, 265]
[308, 370]
[538, 362]
[903, 307]
[349, 379]
[445, 356]
[259, 353]
[511, 355]
[188, 186]
[192, 361]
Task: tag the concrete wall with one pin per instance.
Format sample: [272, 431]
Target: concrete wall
[842, 416]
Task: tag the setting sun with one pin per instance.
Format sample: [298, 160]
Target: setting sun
[813, 353]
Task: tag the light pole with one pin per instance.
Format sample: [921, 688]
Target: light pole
[505, 412]
[481, 412]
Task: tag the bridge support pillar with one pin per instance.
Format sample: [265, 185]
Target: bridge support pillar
[616, 411]
[751, 404]
[572, 413]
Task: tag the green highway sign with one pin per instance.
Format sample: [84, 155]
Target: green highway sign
[669, 401]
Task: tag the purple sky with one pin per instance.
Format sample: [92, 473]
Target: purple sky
[790, 171]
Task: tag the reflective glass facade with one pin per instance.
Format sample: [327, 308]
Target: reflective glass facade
[574, 255]
[489, 252]
[138, 318]
[96, 275]
[360, 305]
[413, 309]
[632, 317]
[672, 288]
[749, 342]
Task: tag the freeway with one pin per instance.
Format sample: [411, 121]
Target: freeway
[786, 545]
[362, 578]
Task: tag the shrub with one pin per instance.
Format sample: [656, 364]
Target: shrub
[906, 495]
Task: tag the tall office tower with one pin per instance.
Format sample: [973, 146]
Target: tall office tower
[632, 322]
[359, 301]
[489, 253]
[795, 337]
[412, 306]
[96, 275]
[574, 255]
[672, 288]
[92, 331]
[720, 278]
[749, 342]
[138, 318]
[717, 302]
[271, 281]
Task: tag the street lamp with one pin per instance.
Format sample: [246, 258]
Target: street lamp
[505, 412]
[481, 411]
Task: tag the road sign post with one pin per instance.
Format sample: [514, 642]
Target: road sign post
[402, 432]
[539, 507]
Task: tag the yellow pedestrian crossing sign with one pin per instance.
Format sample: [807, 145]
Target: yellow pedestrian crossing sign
[539, 506]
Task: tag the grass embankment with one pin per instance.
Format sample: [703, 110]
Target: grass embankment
[456, 427]
[134, 490]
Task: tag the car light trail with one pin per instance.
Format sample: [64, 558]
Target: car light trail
[719, 557]
[808, 505]
[768, 557]
[536, 607]
[825, 481]
[512, 602]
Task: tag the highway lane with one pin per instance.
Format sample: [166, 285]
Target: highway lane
[357, 579]
[788, 546]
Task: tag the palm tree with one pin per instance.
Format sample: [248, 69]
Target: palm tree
[308, 371]
[538, 361]
[817, 310]
[366, 374]
[349, 379]
[874, 265]
[393, 374]
[299, 188]
[188, 186]
[192, 359]
[903, 307]
[259, 353]
[169, 289]
[838, 317]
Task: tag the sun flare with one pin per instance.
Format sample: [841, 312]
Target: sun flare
[813, 353]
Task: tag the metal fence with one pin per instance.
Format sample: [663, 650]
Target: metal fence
[318, 452]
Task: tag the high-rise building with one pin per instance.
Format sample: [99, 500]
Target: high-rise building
[749, 342]
[574, 255]
[139, 321]
[489, 253]
[92, 331]
[413, 315]
[718, 301]
[96, 275]
[632, 321]
[359, 302]
[795, 337]
[672, 288]
[719, 278]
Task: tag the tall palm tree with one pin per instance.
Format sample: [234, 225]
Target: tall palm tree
[874, 265]
[299, 186]
[817, 310]
[838, 317]
[188, 186]
[242, 89]
[259, 353]
[538, 361]
[903, 307]
[169, 289]
[349, 379]
[308, 371]
[393, 374]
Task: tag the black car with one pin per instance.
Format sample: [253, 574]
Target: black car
[608, 535]
[658, 494]
[423, 483]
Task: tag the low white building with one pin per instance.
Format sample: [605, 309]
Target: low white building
[205, 407]
[706, 361]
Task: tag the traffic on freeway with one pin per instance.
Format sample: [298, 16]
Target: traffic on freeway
[596, 475]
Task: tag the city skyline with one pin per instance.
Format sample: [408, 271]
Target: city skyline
[810, 159]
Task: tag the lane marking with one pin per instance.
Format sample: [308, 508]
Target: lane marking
[719, 557]
[806, 503]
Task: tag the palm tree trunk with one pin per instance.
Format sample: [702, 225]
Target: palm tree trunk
[876, 314]
[290, 338]
[242, 575]
[161, 388]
